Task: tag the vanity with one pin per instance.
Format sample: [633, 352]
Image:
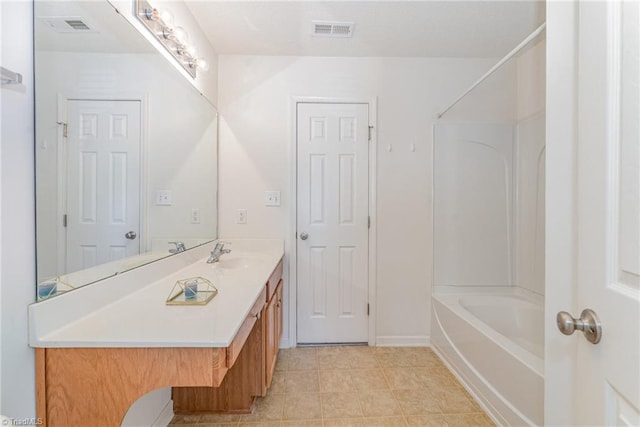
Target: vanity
[99, 348]
[111, 109]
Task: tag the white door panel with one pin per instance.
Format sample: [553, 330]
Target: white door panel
[604, 379]
[333, 211]
[103, 181]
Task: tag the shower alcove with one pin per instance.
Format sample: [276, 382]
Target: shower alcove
[488, 294]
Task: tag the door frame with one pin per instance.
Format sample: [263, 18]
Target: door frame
[291, 240]
[561, 228]
[61, 149]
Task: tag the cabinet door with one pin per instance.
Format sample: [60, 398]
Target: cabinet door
[279, 316]
[273, 333]
[270, 340]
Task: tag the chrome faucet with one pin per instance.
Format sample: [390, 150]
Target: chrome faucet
[179, 247]
[217, 252]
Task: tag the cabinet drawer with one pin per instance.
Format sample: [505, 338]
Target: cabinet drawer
[241, 337]
[272, 284]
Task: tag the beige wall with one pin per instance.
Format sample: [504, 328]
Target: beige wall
[256, 125]
[17, 262]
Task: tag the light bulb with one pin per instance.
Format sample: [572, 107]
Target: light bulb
[167, 18]
[167, 33]
[192, 51]
[202, 64]
[180, 36]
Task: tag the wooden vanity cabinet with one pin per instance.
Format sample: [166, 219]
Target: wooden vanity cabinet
[244, 360]
[272, 326]
[76, 386]
[251, 359]
[273, 333]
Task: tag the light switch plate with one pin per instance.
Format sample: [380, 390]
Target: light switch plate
[195, 216]
[242, 216]
[272, 198]
[163, 198]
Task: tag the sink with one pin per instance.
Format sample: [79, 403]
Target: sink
[233, 263]
[237, 261]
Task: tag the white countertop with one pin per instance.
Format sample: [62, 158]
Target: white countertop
[139, 317]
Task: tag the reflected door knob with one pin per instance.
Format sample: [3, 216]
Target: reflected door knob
[131, 235]
[588, 323]
[304, 236]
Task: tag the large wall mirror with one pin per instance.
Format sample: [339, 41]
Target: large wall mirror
[126, 149]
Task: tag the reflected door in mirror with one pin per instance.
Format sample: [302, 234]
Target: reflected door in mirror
[177, 135]
[103, 182]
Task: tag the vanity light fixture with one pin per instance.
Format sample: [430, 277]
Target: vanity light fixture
[174, 38]
[9, 77]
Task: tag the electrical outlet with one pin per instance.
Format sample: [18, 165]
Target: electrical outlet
[272, 198]
[195, 216]
[163, 198]
[242, 216]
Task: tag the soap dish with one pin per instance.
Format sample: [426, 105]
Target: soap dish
[192, 291]
[52, 287]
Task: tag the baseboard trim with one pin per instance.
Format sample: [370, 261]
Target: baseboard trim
[403, 341]
[165, 416]
[387, 341]
[284, 343]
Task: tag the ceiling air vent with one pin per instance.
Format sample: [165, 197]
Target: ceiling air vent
[67, 24]
[77, 24]
[332, 29]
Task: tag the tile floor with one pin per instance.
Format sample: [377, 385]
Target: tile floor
[356, 386]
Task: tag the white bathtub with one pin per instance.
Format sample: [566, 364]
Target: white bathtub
[494, 343]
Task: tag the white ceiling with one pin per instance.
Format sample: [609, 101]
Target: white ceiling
[422, 28]
[109, 31]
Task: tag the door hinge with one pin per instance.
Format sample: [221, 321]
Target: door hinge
[368, 222]
[367, 309]
[370, 128]
[64, 220]
[64, 129]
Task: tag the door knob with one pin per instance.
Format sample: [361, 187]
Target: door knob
[131, 235]
[588, 323]
[304, 236]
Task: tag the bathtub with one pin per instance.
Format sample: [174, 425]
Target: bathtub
[493, 341]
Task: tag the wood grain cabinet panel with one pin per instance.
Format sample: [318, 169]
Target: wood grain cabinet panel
[76, 386]
[238, 389]
[247, 326]
[98, 385]
[273, 332]
[251, 360]
[279, 315]
[269, 339]
[274, 280]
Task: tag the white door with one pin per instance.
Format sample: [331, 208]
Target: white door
[332, 222]
[103, 182]
[599, 384]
